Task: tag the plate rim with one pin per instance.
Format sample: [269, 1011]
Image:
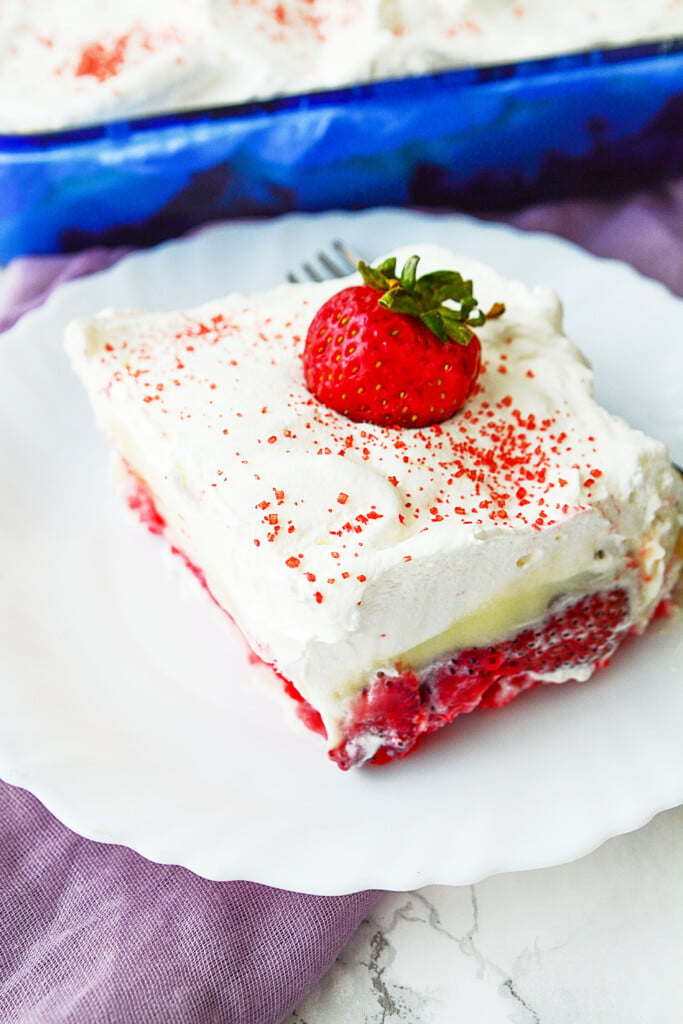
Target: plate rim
[628, 822]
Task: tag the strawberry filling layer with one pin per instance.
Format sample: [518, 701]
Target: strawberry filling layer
[397, 709]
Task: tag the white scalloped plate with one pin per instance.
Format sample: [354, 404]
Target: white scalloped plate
[128, 704]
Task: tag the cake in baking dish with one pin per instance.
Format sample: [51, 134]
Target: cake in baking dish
[79, 62]
[396, 573]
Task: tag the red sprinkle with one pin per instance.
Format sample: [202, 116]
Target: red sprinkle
[100, 62]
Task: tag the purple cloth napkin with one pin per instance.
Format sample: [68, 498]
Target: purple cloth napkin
[27, 281]
[645, 229]
[95, 934]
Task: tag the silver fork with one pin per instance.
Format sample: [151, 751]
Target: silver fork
[341, 264]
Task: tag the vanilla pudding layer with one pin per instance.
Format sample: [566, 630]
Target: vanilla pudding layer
[82, 61]
[343, 549]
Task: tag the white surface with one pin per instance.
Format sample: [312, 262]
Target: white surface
[128, 705]
[598, 941]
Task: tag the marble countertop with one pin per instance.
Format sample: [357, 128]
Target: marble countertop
[596, 941]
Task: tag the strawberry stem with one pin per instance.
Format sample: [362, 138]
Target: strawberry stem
[426, 297]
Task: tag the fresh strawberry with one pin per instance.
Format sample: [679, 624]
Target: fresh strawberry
[396, 351]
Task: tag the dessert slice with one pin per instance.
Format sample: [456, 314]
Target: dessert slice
[393, 576]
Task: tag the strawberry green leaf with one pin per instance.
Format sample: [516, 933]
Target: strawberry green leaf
[409, 273]
[434, 321]
[400, 302]
[373, 276]
[388, 267]
[447, 282]
[437, 278]
[455, 328]
[450, 293]
[442, 299]
[477, 319]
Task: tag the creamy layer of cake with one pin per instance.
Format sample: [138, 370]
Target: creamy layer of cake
[82, 61]
[347, 552]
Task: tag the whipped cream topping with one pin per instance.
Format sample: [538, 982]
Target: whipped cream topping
[85, 61]
[339, 547]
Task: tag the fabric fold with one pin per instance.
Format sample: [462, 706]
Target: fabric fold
[93, 933]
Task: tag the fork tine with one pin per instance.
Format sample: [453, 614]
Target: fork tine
[344, 263]
[312, 272]
[346, 252]
[331, 267]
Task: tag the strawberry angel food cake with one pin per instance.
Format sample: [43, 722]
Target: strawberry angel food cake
[406, 498]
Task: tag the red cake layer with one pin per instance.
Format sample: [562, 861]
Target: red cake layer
[397, 709]
[400, 709]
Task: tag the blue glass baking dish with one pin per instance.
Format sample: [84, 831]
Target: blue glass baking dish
[475, 139]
